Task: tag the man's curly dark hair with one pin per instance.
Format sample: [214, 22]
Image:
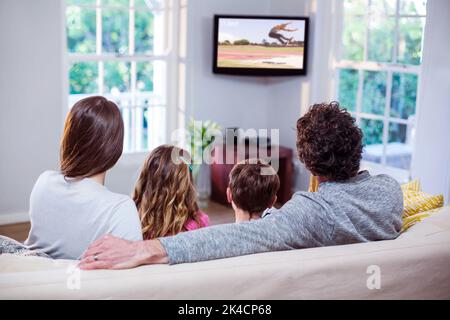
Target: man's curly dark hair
[329, 143]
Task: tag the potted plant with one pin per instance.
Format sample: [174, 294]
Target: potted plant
[201, 136]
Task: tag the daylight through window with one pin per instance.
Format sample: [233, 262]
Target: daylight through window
[118, 49]
[377, 71]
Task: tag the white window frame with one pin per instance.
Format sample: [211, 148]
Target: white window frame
[389, 67]
[166, 99]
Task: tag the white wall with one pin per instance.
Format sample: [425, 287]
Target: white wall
[291, 96]
[123, 176]
[30, 96]
[230, 100]
[431, 161]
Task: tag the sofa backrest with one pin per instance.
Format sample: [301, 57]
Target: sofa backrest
[414, 266]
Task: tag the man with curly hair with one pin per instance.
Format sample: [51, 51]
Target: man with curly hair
[349, 207]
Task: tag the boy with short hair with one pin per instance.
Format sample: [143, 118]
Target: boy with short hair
[251, 193]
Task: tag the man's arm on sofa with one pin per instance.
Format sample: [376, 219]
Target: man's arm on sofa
[215, 242]
[288, 228]
[229, 240]
[298, 224]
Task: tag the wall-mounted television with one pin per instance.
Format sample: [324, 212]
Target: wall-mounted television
[260, 45]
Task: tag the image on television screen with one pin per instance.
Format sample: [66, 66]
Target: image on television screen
[276, 44]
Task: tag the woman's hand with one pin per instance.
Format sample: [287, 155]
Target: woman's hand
[110, 252]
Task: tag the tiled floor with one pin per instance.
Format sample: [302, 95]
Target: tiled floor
[218, 214]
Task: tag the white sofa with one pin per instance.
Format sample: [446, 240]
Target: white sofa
[414, 266]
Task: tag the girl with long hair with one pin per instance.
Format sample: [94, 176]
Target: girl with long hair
[165, 195]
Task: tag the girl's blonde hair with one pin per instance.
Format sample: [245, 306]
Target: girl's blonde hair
[164, 194]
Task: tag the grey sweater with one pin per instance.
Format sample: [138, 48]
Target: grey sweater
[363, 208]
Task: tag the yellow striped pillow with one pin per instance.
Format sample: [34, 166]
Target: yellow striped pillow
[416, 201]
[411, 186]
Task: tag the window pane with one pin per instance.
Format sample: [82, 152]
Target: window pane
[404, 94]
[83, 78]
[144, 77]
[353, 38]
[115, 31]
[372, 130]
[374, 92]
[383, 7]
[348, 88]
[372, 139]
[140, 3]
[80, 25]
[413, 7]
[410, 40]
[397, 132]
[144, 30]
[399, 150]
[355, 7]
[381, 38]
[117, 77]
[122, 3]
[150, 4]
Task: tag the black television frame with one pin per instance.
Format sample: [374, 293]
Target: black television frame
[260, 71]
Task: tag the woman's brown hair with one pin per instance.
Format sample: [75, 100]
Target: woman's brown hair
[164, 194]
[93, 138]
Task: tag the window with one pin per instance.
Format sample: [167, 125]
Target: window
[377, 68]
[120, 49]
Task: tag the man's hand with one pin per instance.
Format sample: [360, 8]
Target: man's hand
[110, 252]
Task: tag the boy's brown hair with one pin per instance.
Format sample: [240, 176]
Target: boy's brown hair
[251, 191]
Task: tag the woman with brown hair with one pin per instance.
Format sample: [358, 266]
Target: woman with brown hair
[165, 195]
[71, 207]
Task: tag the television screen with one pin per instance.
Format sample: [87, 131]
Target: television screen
[256, 45]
